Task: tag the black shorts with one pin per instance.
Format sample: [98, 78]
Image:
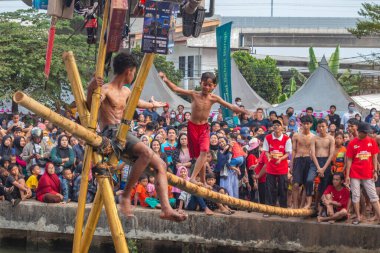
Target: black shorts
[377, 183]
[110, 132]
[301, 166]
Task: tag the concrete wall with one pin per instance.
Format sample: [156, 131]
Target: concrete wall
[243, 231]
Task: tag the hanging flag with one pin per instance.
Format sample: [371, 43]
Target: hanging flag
[223, 45]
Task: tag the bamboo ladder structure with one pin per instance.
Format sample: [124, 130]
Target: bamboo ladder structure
[86, 131]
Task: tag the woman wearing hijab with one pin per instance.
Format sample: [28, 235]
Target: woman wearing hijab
[62, 155]
[370, 115]
[18, 145]
[6, 146]
[49, 186]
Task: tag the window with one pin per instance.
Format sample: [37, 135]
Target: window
[198, 65]
[182, 65]
[190, 66]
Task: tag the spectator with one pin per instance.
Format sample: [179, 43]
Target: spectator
[66, 180]
[180, 117]
[169, 147]
[272, 116]
[348, 115]
[309, 112]
[19, 191]
[15, 122]
[156, 147]
[62, 155]
[370, 115]
[151, 112]
[6, 146]
[181, 155]
[277, 147]
[18, 145]
[165, 114]
[333, 117]
[49, 186]
[32, 181]
[362, 169]
[79, 153]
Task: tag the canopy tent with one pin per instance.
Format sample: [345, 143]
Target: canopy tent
[319, 91]
[155, 87]
[368, 101]
[240, 88]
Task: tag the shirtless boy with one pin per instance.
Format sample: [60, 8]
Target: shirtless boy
[114, 97]
[198, 130]
[322, 151]
[301, 158]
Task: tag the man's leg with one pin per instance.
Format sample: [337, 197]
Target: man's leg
[199, 168]
[334, 217]
[269, 189]
[370, 189]
[310, 185]
[297, 176]
[355, 190]
[283, 190]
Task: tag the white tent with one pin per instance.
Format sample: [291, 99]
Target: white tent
[368, 101]
[240, 88]
[155, 87]
[319, 91]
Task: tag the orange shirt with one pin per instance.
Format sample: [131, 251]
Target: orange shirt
[170, 193]
[143, 194]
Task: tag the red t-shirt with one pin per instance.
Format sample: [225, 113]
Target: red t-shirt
[143, 194]
[341, 196]
[263, 159]
[237, 150]
[251, 160]
[361, 152]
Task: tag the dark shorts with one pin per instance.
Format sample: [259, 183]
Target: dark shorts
[377, 183]
[301, 168]
[110, 132]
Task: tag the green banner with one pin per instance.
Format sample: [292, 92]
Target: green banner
[223, 45]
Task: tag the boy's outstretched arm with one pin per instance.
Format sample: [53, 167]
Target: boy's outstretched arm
[174, 87]
[232, 107]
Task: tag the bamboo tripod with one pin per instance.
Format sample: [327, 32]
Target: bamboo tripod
[104, 195]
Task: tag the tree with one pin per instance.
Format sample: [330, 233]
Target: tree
[261, 74]
[334, 61]
[313, 63]
[161, 64]
[350, 82]
[23, 43]
[371, 23]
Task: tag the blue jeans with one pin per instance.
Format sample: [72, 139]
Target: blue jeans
[325, 181]
[194, 201]
[237, 161]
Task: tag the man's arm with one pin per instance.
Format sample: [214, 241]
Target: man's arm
[150, 105]
[294, 151]
[348, 168]
[94, 84]
[174, 87]
[374, 161]
[313, 157]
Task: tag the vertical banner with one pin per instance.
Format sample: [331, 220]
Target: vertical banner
[223, 45]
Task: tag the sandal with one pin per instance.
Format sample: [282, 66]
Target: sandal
[356, 222]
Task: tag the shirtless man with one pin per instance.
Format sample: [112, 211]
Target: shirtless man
[322, 151]
[114, 96]
[198, 128]
[301, 160]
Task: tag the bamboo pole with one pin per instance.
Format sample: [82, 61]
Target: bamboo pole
[76, 87]
[29, 103]
[92, 221]
[93, 119]
[130, 108]
[112, 215]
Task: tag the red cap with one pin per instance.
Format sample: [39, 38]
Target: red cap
[167, 105]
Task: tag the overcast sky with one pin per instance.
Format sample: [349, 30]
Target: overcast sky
[288, 8]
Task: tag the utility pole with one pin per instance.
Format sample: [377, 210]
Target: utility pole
[271, 8]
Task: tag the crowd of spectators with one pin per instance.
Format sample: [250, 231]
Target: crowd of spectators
[304, 160]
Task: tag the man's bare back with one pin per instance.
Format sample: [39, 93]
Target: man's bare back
[302, 144]
[323, 145]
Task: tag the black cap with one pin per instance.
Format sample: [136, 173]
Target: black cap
[364, 127]
[276, 121]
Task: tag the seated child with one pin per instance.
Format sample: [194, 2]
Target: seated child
[32, 181]
[66, 179]
[150, 187]
[217, 207]
[20, 191]
[142, 194]
[183, 173]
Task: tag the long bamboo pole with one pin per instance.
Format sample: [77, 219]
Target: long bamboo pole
[94, 110]
[92, 221]
[29, 103]
[116, 228]
[130, 108]
[76, 87]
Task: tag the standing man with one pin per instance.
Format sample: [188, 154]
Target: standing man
[309, 112]
[352, 128]
[114, 96]
[301, 160]
[349, 115]
[169, 146]
[198, 129]
[277, 147]
[322, 151]
[362, 154]
[334, 118]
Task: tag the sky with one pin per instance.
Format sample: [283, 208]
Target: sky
[283, 8]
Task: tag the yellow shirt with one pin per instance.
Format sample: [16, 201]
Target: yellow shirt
[32, 182]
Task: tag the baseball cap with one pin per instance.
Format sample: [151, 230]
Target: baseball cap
[276, 121]
[252, 144]
[364, 127]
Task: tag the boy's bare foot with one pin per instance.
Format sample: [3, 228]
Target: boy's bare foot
[125, 206]
[331, 221]
[319, 219]
[172, 215]
[208, 211]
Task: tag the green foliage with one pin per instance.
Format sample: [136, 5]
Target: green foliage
[22, 56]
[261, 74]
[282, 98]
[161, 64]
[350, 82]
[313, 63]
[371, 23]
[334, 61]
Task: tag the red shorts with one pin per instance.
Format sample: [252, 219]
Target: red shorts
[199, 138]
